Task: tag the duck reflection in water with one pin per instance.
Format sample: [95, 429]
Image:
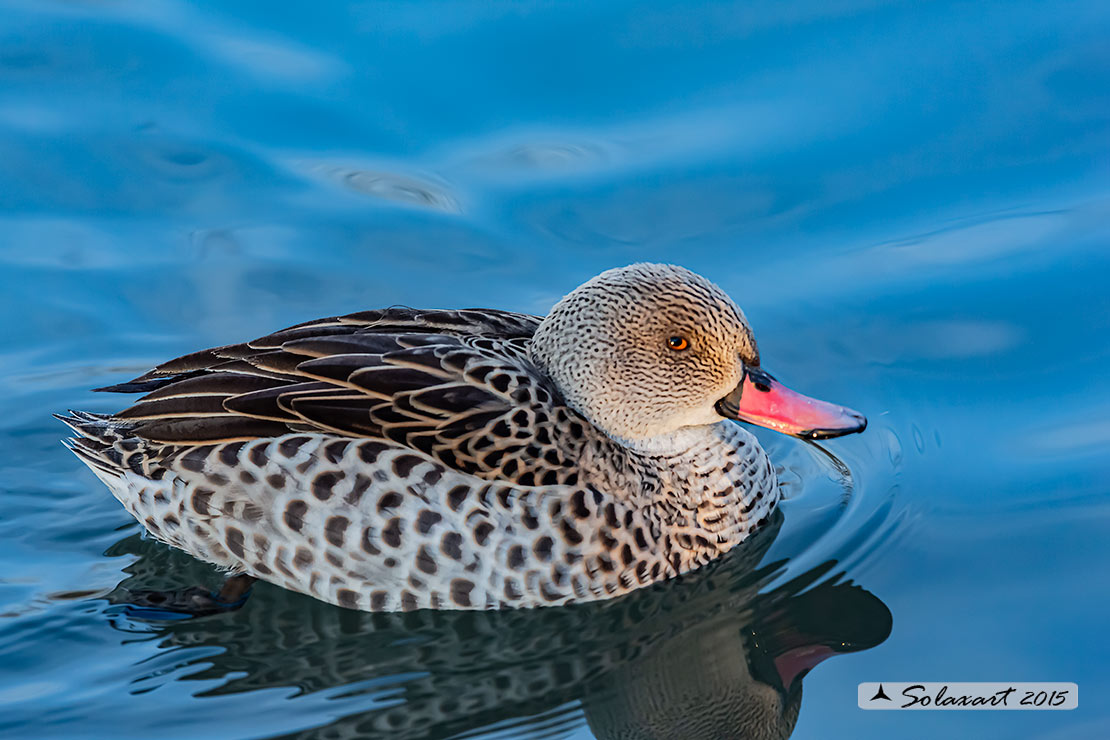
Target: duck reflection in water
[713, 654]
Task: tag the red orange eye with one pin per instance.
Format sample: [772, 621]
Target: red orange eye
[677, 343]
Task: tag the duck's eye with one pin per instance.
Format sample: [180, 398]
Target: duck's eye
[677, 343]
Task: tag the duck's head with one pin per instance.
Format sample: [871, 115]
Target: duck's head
[646, 350]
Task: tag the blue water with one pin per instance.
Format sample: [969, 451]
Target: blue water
[911, 202]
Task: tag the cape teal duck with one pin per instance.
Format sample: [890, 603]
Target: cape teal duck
[401, 459]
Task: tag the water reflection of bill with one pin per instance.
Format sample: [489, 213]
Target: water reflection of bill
[705, 656]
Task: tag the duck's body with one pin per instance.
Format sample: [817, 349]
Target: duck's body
[405, 459]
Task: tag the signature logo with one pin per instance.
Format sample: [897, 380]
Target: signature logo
[952, 695]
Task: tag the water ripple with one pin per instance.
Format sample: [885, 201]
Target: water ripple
[394, 187]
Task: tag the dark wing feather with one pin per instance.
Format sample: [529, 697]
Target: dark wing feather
[266, 403]
[442, 382]
[189, 431]
[394, 322]
[213, 383]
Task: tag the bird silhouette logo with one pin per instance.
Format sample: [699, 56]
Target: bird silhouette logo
[880, 694]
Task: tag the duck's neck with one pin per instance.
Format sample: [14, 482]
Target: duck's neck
[678, 444]
[714, 479]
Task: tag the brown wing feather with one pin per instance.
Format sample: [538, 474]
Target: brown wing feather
[433, 380]
[397, 321]
[213, 383]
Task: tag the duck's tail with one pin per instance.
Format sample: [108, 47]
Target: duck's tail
[97, 443]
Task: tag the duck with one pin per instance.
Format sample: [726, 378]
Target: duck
[400, 459]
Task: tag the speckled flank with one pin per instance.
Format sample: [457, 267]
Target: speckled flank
[402, 459]
[376, 527]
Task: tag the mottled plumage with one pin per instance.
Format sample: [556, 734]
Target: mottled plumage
[401, 459]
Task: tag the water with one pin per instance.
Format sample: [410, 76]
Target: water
[910, 202]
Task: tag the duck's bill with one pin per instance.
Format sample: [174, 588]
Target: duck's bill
[762, 400]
